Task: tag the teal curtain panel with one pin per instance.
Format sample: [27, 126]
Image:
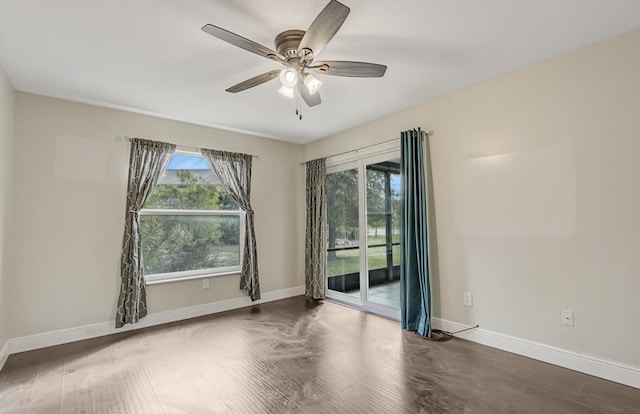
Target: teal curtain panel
[415, 289]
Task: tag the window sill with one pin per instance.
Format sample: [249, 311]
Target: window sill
[191, 277]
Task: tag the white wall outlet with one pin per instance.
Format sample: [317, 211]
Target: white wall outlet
[567, 317]
[205, 283]
[468, 299]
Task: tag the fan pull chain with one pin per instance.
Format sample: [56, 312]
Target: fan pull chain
[298, 106]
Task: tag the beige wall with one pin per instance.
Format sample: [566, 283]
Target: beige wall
[69, 198]
[537, 198]
[6, 153]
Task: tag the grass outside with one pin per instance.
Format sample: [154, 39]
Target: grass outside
[348, 261]
[381, 238]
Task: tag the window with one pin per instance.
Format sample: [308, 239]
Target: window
[190, 226]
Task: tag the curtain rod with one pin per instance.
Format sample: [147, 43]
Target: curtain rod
[124, 138]
[427, 133]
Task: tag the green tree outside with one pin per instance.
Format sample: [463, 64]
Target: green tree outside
[172, 243]
[343, 221]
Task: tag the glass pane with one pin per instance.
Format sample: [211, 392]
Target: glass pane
[182, 243]
[383, 233]
[189, 184]
[343, 253]
[395, 208]
[377, 258]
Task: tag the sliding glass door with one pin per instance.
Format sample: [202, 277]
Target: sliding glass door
[343, 222]
[363, 212]
[383, 233]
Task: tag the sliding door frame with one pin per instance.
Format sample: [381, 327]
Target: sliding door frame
[359, 160]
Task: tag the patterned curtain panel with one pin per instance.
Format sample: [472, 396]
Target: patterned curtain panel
[234, 172]
[415, 289]
[316, 240]
[147, 161]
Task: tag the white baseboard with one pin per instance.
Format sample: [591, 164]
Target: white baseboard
[4, 354]
[63, 336]
[610, 370]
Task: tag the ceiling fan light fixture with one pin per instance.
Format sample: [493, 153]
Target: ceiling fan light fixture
[312, 83]
[288, 77]
[286, 91]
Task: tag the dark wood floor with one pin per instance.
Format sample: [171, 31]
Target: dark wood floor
[294, 356]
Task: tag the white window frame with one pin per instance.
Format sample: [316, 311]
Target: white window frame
[200, 273]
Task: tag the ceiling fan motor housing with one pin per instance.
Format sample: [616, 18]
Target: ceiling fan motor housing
[287, 44]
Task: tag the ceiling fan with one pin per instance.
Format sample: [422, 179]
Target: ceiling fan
[297, 50]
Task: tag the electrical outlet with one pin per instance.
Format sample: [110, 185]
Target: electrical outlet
[205, 283]
[468, 299]
[567, 317]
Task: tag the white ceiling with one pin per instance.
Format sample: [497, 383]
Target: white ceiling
[150, 56]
